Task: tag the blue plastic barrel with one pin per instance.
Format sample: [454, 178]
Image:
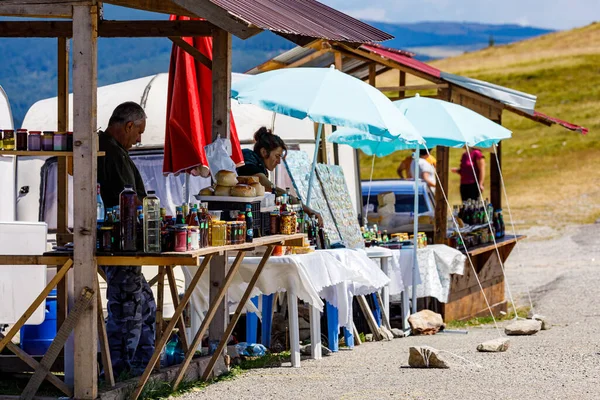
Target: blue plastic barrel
[36, 339]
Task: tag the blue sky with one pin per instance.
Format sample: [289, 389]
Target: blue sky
[553, 14]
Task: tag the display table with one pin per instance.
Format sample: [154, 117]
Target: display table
[446, 275]
[334, 275]
[200, 258]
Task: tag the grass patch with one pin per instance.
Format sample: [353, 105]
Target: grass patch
[480, 321]
[164, 390]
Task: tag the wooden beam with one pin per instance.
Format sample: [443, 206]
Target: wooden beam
[495, 181]
[192, 51]
[85, 148]
[271, 65]
[388, 63]
[372, 74]
[307, 59]
[221, 80]
[62, 218]
[158, 6]
[10, 8]
[108, 29]
[413, 87]
[337, 56]
[402, 82]
[219, 16]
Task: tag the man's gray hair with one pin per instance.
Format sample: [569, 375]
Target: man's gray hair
[127, 112]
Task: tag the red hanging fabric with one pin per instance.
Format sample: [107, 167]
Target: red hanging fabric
[189, 111]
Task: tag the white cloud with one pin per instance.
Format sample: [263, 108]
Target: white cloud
[553, 14]
[370, 14]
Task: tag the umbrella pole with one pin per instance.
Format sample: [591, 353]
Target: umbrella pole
[415, 269]
[314, 165]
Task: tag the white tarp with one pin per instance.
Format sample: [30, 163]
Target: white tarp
[520, 100]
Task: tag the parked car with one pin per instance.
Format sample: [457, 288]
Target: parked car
[400, 218]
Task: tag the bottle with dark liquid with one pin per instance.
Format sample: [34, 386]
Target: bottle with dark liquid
[128, 209]
[249, 224]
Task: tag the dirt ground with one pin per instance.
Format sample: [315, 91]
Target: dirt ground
[561, 271]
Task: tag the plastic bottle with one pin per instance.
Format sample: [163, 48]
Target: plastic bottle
[100, 212]
[152, 223]
[128, 208]
[249, 224]
[173, 351]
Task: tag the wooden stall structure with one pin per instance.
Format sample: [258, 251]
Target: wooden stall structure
[369, 61]
[301, 22]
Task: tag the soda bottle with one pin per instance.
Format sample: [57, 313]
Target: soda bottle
[501, 223]
[100, 213]
[249, 224]
[128, 208]
[179, 220]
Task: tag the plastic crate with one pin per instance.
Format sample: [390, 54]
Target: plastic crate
[227, 206]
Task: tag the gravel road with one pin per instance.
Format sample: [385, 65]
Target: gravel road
[563, 275]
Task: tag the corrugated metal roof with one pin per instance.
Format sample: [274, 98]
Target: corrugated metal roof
[304, 18]
[403, 57]
[564, 124]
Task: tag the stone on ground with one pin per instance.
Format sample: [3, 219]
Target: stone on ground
[369, 337]
[307, 350]
[425, 357]
[386, 334]
[545, 324]
[523, 327]
[494, 346]
[426, 322]
[397, 333]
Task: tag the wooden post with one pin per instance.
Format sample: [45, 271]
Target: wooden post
[221, 81]
[495, 181]
[85, 147]
[402, 93]
[443, 170]
[62, 219]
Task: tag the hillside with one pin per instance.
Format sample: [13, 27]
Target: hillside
[31, 73]
[550, 173]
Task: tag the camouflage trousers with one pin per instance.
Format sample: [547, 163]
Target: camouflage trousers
[131, 319]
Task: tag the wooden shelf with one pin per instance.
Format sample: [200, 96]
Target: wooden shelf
[505, 241]
[41, 153]
[168, 258]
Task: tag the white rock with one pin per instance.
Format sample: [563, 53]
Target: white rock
[494, 346]
[369, 337]
[545, 324]
[386, 334]
[397, 333]
[425, 357]
[426, 322]
[307, 350]
[523, 327]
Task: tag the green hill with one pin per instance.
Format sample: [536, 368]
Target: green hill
[551, 174]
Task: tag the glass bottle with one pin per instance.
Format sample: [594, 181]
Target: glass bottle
[60, 141]
[179, 220]
[48, 141]
[100, 211]
[9, 140]
[1, 140]
[34, 141]
[152, 223]
[117, 228]
[128, 208]
[139, 228]
[21, 139]
[206, 225]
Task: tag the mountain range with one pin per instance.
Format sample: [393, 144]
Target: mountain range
[28, 73]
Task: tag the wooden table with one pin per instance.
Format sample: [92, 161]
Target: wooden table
[201, 258]
[465, 300]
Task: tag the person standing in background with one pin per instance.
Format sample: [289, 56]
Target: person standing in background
[426, 169]
[131, 307]
[471, 183]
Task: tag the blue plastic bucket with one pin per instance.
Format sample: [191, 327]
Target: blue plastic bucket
[36, 339]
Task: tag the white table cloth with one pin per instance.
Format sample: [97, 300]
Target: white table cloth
[435, 263]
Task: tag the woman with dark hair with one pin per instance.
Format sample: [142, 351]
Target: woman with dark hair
[269, 150]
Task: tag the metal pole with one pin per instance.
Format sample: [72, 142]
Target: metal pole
[415, 269]
[314, 164]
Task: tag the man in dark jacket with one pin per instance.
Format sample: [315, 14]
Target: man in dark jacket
[131, 307]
